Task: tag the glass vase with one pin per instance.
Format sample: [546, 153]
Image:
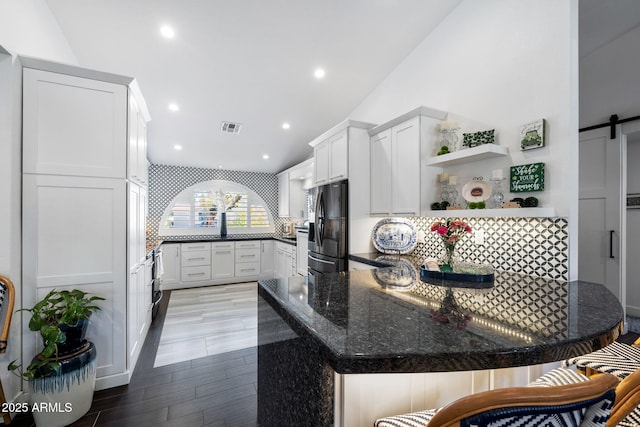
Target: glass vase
[223, 224]
[449, 254]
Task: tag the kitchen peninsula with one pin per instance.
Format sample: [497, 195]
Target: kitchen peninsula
[352, 347]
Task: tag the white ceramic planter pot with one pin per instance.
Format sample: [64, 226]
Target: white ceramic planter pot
[61, 399]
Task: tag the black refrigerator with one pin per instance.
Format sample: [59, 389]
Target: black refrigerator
[328, 231]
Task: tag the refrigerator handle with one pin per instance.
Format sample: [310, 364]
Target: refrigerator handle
[320, 218]
[312, 232]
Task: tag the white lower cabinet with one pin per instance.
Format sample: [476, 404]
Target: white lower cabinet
[284, 260]
[302, 252]
[194, 264]
[267, 255]
[222, 261]
[247, 260]
[169, 271]
[74, 231]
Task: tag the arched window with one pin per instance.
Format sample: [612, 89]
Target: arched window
[196, 210]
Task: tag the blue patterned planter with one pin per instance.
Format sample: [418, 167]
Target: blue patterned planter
[66, 396]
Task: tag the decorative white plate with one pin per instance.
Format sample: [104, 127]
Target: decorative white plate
[476, 190]
[402, 276]
[394, 236]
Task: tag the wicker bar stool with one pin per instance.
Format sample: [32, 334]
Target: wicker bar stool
[626, 411]
[8, 296]
[618, 359]
[587, 403]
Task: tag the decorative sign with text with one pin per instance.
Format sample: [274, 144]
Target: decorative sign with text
[526, 178]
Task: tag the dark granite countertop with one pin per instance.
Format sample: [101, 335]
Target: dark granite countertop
[378, 259]
[234, 238]
[363, 325]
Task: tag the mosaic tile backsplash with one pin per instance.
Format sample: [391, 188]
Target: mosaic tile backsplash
[166, 182]
[534, 246]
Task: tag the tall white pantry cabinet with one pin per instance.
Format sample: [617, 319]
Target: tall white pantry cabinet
[84, 204]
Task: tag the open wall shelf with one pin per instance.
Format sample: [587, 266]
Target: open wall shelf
[495, 213]
[466, 155]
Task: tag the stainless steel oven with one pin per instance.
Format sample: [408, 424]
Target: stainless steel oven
[156, 292]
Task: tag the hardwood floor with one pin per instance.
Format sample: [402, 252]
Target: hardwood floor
[215, 391]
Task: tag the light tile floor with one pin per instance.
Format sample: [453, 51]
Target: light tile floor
[210, 320]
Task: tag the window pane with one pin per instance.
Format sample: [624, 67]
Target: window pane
[237, 216]
[196, 208]
[259, 216]
[204, 209]
[179, 216]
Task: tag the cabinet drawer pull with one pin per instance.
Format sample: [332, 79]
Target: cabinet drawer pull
[197, 247]
[248, 269]
[195, 259]
[247, 256]
[223, 252]
[196, 274]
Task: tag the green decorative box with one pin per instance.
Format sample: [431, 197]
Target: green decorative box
[478, 138]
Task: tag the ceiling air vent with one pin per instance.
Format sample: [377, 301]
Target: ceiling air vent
[229, 127]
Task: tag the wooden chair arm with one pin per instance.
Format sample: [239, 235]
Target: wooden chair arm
[463, 408]
[9, 300]
[627, 398]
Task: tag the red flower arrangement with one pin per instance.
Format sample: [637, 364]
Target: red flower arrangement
[450, 232]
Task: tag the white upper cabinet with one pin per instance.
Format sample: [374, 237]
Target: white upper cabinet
[291, 182]
[137, 150]
[331, 152]
[73, 125]
[339, 156]
[332, 158]
[381, 172]
[400, 185]
[405, 168]
[322, 159]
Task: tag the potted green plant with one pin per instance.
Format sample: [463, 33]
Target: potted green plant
[63, 373]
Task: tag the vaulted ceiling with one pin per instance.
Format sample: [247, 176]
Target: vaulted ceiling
[253, 61]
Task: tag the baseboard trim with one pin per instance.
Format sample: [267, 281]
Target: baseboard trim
[113, 381]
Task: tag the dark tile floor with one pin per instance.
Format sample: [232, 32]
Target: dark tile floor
[214, 391]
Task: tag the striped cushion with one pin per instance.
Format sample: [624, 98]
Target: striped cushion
[618, 359]
[415, 419]
[631, 420]
[559, 376]
[3, 292]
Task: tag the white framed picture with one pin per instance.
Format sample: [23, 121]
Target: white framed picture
[532, 135]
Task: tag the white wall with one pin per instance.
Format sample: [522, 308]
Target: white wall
[28, 28]
[633, 231]
[609, 85]
[499, 64]
[609, 81]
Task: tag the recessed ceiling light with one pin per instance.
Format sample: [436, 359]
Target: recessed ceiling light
[174, 107]
[167, 32]
[319, 73]
[286, 125]
[177, 147]
[265, 156]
